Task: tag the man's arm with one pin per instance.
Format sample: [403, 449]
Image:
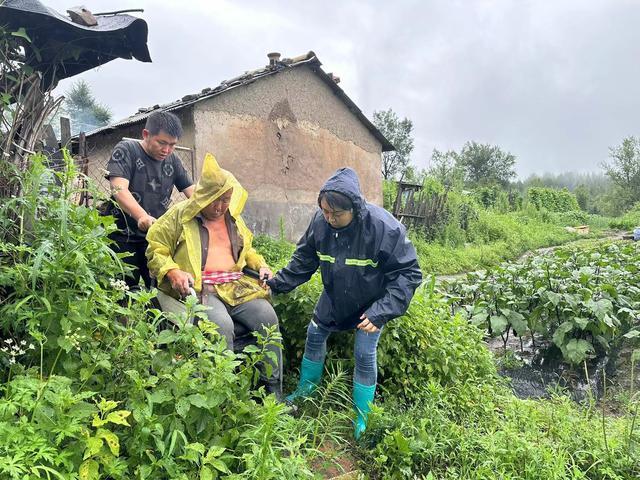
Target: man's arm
[120, 190]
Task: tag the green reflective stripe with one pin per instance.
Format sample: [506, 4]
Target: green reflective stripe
[360, 263]
[326, 258]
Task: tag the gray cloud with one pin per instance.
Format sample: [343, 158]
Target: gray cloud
[555, 83]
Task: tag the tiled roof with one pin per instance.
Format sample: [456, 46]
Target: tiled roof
[310, 59]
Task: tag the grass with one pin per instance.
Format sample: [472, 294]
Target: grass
[496, 238]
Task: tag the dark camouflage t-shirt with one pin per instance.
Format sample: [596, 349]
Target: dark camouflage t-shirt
[150, 182]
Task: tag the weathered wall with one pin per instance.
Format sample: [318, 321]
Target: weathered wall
[282, 137]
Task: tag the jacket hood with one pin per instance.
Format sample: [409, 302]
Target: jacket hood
[213, 182]
[345, 181]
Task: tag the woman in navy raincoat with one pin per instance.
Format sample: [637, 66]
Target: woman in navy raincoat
[369, 271]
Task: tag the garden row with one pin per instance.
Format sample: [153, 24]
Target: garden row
[581, 300]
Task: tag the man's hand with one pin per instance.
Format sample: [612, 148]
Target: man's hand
[145, 222]
[366, 325]
[265, 274]
[181, 281]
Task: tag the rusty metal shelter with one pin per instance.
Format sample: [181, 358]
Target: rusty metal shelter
[61, 48]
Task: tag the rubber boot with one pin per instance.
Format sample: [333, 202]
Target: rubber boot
[310, 373]
[362, 401]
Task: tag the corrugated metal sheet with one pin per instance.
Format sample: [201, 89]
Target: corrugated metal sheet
[66, 48]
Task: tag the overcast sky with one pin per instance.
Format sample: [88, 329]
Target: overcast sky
[554, 82]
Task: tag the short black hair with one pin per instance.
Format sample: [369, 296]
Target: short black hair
[164, 122]
[336, 200]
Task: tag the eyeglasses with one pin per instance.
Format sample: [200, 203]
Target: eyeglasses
[336, 214]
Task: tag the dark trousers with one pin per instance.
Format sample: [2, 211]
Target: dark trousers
[137, 260]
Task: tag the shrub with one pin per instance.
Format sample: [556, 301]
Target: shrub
[629, 220]
[552, 200]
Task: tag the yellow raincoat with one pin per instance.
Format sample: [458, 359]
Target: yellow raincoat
[174, 239]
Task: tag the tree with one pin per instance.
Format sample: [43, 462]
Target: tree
[485, 164]
[444, 168]
[84, 110]
[582, 196]
[398, 132]
[624, 169]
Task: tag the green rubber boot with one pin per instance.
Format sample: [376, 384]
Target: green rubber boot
[362, 401]
[310, 373]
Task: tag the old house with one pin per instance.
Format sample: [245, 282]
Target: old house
[281, 129]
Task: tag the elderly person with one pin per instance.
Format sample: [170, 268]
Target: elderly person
[369, 271]
[203, 243]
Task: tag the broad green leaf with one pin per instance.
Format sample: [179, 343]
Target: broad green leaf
[112, 440]
[161, 396]
[94, 445]
[518, 323]
[182, 406]
[198, 400]
[119, 417]
[89, 470]
[498, 323]
[219, 465]
[581, 323]
[554, 297]
[213, 452]
[561, 331]
[576, 350]
[632, 334]
[22, 33]
[205, 473]
[166, 337]
[479, 319]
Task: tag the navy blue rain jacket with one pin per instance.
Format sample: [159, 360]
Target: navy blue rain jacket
[369, 266]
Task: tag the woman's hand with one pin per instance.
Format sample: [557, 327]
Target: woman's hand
[181, 281]
[366, 325]
[265, 274]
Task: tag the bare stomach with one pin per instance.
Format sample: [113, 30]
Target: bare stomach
[219, 263]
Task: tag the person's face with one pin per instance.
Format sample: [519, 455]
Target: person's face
[335, 218]
[158, 146]
[218, 207]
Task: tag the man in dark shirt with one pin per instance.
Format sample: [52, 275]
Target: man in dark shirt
[142, 176]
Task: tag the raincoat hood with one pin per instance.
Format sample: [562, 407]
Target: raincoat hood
[213, 182]
[345, 181]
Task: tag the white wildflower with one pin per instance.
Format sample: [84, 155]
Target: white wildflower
[119, 285]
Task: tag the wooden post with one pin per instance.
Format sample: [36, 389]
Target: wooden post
[82, 153]
[65, 131]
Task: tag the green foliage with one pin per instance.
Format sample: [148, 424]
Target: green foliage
[84, 110]
[48, 429]
[582, 301]
[624, 169]
[492, 197]
[480, 431]
[389, 193]
[493, 238]
[484, 164]
[173, 403]
[275, 251]
[445, 169]
[398, 132]
[629, 220]
[552, 200]
[429, 344]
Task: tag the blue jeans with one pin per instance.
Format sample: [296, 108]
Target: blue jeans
[365, 348]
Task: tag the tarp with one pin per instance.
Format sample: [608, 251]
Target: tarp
[65, 48]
